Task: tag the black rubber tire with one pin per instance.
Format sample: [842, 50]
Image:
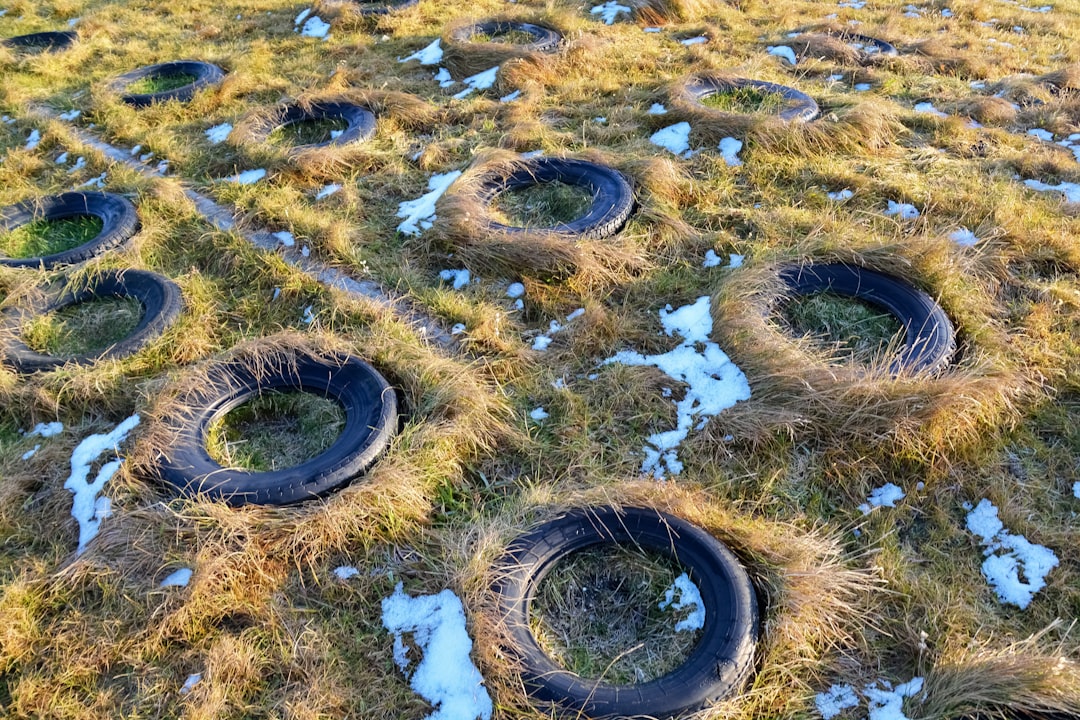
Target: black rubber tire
[545, 40]
[930, 341]
[883, 48]
[382, 8]
[206, 75]
[160, 297]
[361, 123]
[803, 107]
[716, 667]
[119, 220]
[51, 41]
[613, 199]
[370, 421]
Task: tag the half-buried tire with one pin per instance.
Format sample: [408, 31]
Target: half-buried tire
[800, 107]
[930, 339]
[360, 123]
[117, 214]
[51, 41]
[542, 39]
[203, 74]
[370, 407]
[716, 667]
[160, 298]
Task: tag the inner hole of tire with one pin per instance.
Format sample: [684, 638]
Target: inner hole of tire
[160, 83]
[844, 327]
[509, 36]
[84, 328]
[598, 614]
[274, 431]
[313, 131]
[48, 237]
[544, 204]
[746, 100]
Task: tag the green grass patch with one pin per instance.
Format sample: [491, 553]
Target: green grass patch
[48, 237]
[307, 132]
[541, 205]
[83, 329]
[597, 614]
[844, 327]
[159, 83]
[275, 431]
[746, 100]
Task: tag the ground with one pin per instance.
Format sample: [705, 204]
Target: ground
[933, 166]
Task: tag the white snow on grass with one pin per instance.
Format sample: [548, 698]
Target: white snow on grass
[711, 259]
[841, 195]
[30, 453]
[460, 278]
[248, 177]
[714, 382]
[1045, 135]
[963, 236]
[609, 11]
[929, 109]
[1076, 490]
[511, 97]
[327, 191]
[189, 684]
[217, 134]
[539, 414]
[316, 27]
[429, 55]
[180, 578]
[61, 158]
[445, 676]
[80, 163]
[46, 430]
[735, 261]
[689, 597]
[515, 290]
[86, 507]
[443, 78]
[905, 211]
[729, 148]
[657, 109]
[302, 16]
[418, 214]
[285, 237]
[309, 315]
[782, 51]
[541, 342]
[674, 138]
[70, 115]
[862, 87]
[98, 182]
[479, 81]
[695, 40]
[344, 572]
[1071, 191]
[33, 139]
[885, 496]
[835, 700]
[1008, 555]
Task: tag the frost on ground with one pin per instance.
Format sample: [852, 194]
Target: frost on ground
[419, 213]
[344, 572]
[714, 382]
[835, 700]
[729, 148]
[963, 236]
[929, 109]
[445, 676]
[675, 138]
[1008, 555]
[460, 278]
[217, 134]
[479, 81]
[248, 177]
[885, 496]
[782, 51]
[1071, 191]
[609, 11]
[905, 211]
[430, 55]
[884, 702]
[689, 597]
[180, 578]
[86, 507]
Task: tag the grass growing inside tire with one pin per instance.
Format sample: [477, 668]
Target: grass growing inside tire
[509, 37]
[541, 205]
[597, 614]
[85, 328]
[844, 327]
[47, 237]
[278, 430]
[307, 132]
[746, 100]
[159, 83]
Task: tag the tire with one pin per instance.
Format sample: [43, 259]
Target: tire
[882, 47]
[160, 297]
[930, 341]
[716, 667]
[382, 8]
[206, 75]
[370, 421]
[545, 40]
[361, 123]
[803, 107]
[613, 199]
[118, 215]
[43, 41]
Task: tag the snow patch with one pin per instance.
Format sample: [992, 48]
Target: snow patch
[1071, 191]
[217, 134]
[446, 676]
[70, 115]
[46, 430]
[86, 507]
[841, 195]
[443, 78]
[344, 572]
[418, 214]
[689, 597]
[98, 182]
[30, 453]
[430, 55]
[539, 414]
[180, 578]
[460, 278]
[905, 211]
[835, 700]
[609, 11]
[511, 97]
[1076, 490]
[315, 27]
[33, 139]
[327, 191]
[674, 138]
[515, 290]
[1045, 135]
[963, 236]
[479, 81]
[657, 109]
[248, 177]
[192, 680]
[711, 259]
[1008, 555]
[782, 51]
[885, 496]
[286, 238]
[862, 87]
[929, 109]
[695, 40]
[729, 148]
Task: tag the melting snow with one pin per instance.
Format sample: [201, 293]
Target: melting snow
[460, 278]
[314, 26]
[445, 676]
[86, 507]
[309, 316]
[1072, 143]
[190, 683]
[1076, 490]
[98, 182]
[247, 177]
[419, 213]
[711, 259]
[1071, 191]
[70, 115]
[1041, 134]
[180, 578]
[714, 382]
[729, 148]
[782, 51]
[657, 109]
[61, 158]
[538, 414]
[511, 97]
[444, 79]
[695, 40]
[1015, 554]
[841, 195]
[327, 191]
[963, 236]
[884, 702]
[862, 87]
[479, 81]
[541, 342]
[344, 572]
[929, 109]
[675, 138]
[430, 55]
[30, 453]
[735, 261]
[835, 700]
[885, 496]
[905, 211]
[575, 315]
[609, 11]
[218, 133]
[46, 430]
[689, 597]
[286, 238]
[515, 290]
[33, 139]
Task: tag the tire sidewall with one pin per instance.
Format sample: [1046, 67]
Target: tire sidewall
[119, 219]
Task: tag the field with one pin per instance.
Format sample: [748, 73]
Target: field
[537, 381]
